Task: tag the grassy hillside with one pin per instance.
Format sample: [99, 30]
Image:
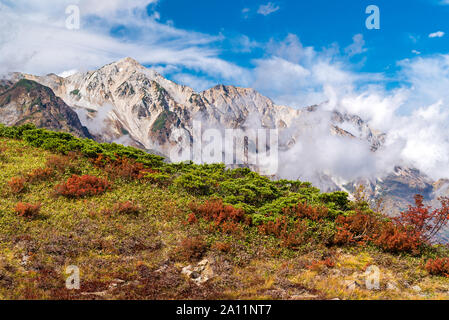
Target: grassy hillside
[132, 223]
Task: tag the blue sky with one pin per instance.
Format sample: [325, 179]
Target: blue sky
[295, 52]
[405, 26]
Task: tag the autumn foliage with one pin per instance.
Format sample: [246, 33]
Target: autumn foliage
[306, 211]
[191, 248]
[82, 186]
[439, 266]
[423, 221]
[122, 168]
[39, 174]
[127, 208]
[224, 217]
[27, 210]
[17, 185]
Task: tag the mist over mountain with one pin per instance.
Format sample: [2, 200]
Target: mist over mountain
[127, 103]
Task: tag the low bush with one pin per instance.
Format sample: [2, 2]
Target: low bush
[225, 218]
[222, 246]
[438, 267]
[82, 186]
[39, 174]
[27, 210]
[17, 185]
[396, 239]
[357, 227]
[191, 248]
[319, 265]
[128, 208]
[63, 164]
[426, 223]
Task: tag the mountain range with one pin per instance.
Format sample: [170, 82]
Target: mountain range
[127, 103]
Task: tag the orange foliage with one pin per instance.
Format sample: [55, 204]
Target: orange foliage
[39, 174]
[82, 186]
[27, 210]
[222, 246]
[17, 185]
[123, 168]
[192, 248]
[424, 222]
[439, 266]
[128, 207]
[394, 238]
[359, 227]
[304, 210]
[292, 235]
[318, 265]
[225, 217]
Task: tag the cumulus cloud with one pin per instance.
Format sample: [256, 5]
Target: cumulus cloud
[357, 46]
[34, 39]
[268, 9]
[437, 34]
[413, 115]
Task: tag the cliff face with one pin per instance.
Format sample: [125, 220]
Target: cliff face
[27, 101]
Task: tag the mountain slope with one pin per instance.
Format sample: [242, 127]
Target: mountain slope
[127, 103]
[137, 239]
[27, 101]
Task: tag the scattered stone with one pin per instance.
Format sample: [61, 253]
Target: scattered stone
[25, 259]
[416, 288]
[351, 284]
[99, 294]
[199, 274]
[392, 286]
[116, 283]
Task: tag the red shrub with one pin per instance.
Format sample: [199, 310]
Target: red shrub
[304, 210]
[222, 246]
[39, 174]
[62, 163]
[277, 228]
[17, 185]
[191, 248]
[27, 210]
[359, 227]
[424, 222]
[123, 168]
[396, 239]
[292, 235]
[128, 208]
[78, 187]
[318, 265]
[439, 266]
[225, 217]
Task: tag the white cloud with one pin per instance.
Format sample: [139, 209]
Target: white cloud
[268, 9]
[437, 34]
[34, 39]
[416, 52]
[357, 46]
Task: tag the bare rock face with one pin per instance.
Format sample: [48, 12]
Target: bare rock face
[27, 101]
